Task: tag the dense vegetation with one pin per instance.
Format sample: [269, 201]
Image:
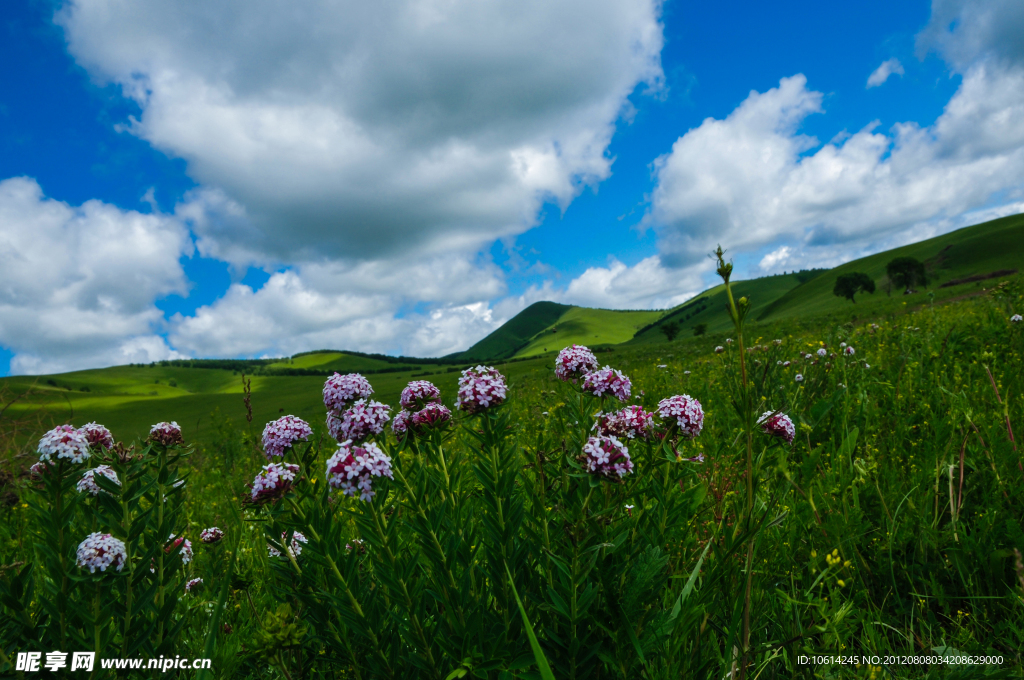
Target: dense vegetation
[891, 525]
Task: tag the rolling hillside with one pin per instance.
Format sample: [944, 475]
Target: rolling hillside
[200, 394]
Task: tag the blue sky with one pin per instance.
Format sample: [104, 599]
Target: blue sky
[180, 180]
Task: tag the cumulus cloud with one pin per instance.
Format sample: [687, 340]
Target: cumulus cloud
[753, 181]
[77, 284]
[369, 306]
[646, 285]
[964, 32]
[366, 130]
[882, 73]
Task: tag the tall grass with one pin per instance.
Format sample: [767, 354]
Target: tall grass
[891, 526]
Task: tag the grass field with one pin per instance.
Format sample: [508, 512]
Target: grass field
[887, 528]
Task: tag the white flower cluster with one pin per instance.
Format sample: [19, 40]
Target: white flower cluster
[273, 481]
[295, 548]
[352, 468]
[632, 422]
[186, 547]
[99, 551]
[777, 425]
[687, 411]
[166, 433]
[607, 456]
[418, 394]
[97, 435]
[608, 380]
[193, 584]
[88, 481]
[281, 434]
[64, 442]
[360, 421]
[1016, 318]
[340, 390]
[211, 535]
[480, 388]
[574, 362]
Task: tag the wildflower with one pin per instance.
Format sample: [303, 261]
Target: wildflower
[88, 480]
[399, 424]
[662, 365]
[842, 344]
[573, 362]
[609, 380]
[97, 435]
[193, 585]
[66, 442]
[99, 551]
[631, 422]
[875, 326]
[777, 342]
[841, 583]
[799, 377]
[294, 549]
[273, 482]
[418, 394]
[629, 510]
[607, 456]
[719, 349]
[357, 423]
[340, 390]
[281, 434]
[40, 468]
[728, 341]
[822, 352]
[166, 434]
[777, 425]
[867, 365]
[180, 541]
[687, 411]
[352, 468]
[432, 416]
[686, 373]
[786, 364]
[211, 535]
[1016, 318]
[480, 388]
[357, 545]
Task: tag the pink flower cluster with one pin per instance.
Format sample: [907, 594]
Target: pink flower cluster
[849, 351]
[480, 388]
[193, 585]
[295, 548]
[341, 390]
[632, 422]
[281, 434]
[273, 482]
[574, 362]
[99, 551]
[418, 394]
[607, 456]
[686, 411]
[97, 435]
[173, 542]
[211, 535]
[65, 442]
[777, 425]
[400, 423]
[608, 380]
[363, 419]
[352, 468]
[39, 469]
[88, 480]
[431, 417]
[166, 434]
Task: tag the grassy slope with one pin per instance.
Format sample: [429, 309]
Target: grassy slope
[515, 333]
[128, 399]
[979, 249]
[712, 307]
[591, 327]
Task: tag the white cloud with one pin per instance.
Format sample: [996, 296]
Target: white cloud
[77, 285]
[360, 130]
[882, 73]
[775, 259]
[965, 32]
[646, 285]
[752, 181]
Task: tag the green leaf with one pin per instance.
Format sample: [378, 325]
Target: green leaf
[538, 653]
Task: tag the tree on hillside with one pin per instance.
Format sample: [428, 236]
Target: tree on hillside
[671, 330]
[906, 272]
[700, 329]
[848, 285]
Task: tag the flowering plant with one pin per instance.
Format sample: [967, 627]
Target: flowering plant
[281, 434]
[341, 390]
[99, 551]
[480, 388]
[574, 362]
[352, 468]
[607, 380]
[64, 442]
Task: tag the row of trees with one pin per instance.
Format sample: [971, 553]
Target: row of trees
[903, 272]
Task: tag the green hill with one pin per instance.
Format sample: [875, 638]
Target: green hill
[515, 333]
[975, 251]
